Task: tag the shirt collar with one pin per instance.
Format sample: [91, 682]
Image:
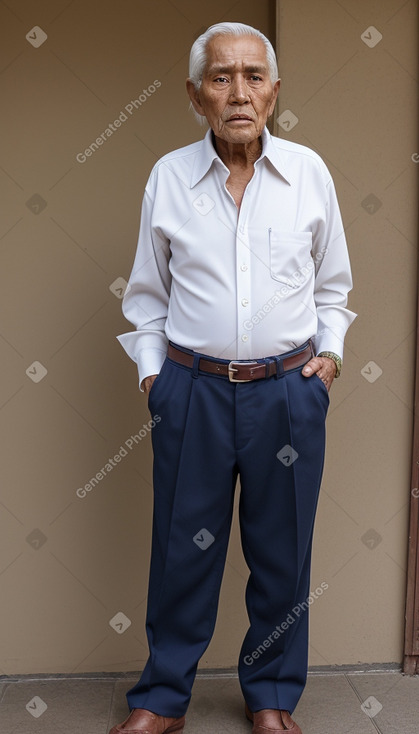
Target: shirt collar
[207, 155]
[272, 153]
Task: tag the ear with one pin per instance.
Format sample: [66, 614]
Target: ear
[194, 97]
[274, 96]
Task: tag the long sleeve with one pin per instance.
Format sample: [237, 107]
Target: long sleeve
[333, 279]
[146, 300]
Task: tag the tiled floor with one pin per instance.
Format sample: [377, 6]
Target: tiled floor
[338, 703]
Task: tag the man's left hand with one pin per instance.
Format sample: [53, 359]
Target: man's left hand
[324, 367]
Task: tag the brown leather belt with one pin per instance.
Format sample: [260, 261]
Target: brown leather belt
[244, 371]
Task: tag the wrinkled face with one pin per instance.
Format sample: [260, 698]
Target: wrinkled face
[236, 95]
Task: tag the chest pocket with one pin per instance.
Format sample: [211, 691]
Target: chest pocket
[291, 262]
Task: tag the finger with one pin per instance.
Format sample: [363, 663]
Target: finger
[311, 367]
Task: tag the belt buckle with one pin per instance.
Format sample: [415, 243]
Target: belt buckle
[232, 369]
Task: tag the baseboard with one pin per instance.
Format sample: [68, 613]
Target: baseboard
[358, 669]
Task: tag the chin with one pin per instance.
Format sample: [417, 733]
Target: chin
[244, 138]
[245, 135]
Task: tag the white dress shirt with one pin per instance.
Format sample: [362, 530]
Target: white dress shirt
[238, 284]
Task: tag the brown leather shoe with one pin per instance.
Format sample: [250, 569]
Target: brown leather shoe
[141, 721]
[272, 721]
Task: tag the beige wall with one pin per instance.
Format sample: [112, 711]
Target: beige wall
[356, 106]
[70, 564]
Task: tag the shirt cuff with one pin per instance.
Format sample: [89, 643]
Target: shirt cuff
[330, 340]
[332, 327]
[150, 362]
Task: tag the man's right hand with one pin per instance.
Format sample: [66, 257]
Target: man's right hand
[147, 383]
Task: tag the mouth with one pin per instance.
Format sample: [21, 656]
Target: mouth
[240, 118]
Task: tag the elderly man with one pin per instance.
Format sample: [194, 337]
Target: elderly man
[238, 295]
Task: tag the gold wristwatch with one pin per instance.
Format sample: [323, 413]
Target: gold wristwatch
[337, 360]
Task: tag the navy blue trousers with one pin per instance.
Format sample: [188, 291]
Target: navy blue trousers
[272, 433]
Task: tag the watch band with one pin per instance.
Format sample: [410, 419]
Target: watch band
[337, 360]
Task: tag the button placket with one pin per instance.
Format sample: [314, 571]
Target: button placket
[244, 345]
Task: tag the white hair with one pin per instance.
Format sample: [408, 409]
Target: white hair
[198, 55]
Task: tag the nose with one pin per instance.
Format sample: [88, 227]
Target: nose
[238, 91]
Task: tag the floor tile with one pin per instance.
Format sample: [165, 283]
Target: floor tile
[343, 703]
[217, 705]
[2, 690]
[329, 704]
[119, 711]
[397, 694]
[61, 706]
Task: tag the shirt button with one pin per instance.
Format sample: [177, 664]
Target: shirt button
[245, 302]
[245, 338]
[243, 268]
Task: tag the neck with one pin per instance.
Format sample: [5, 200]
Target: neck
[238, 154]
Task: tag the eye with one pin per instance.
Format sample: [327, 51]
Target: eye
[255, 78]
[221, 79]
